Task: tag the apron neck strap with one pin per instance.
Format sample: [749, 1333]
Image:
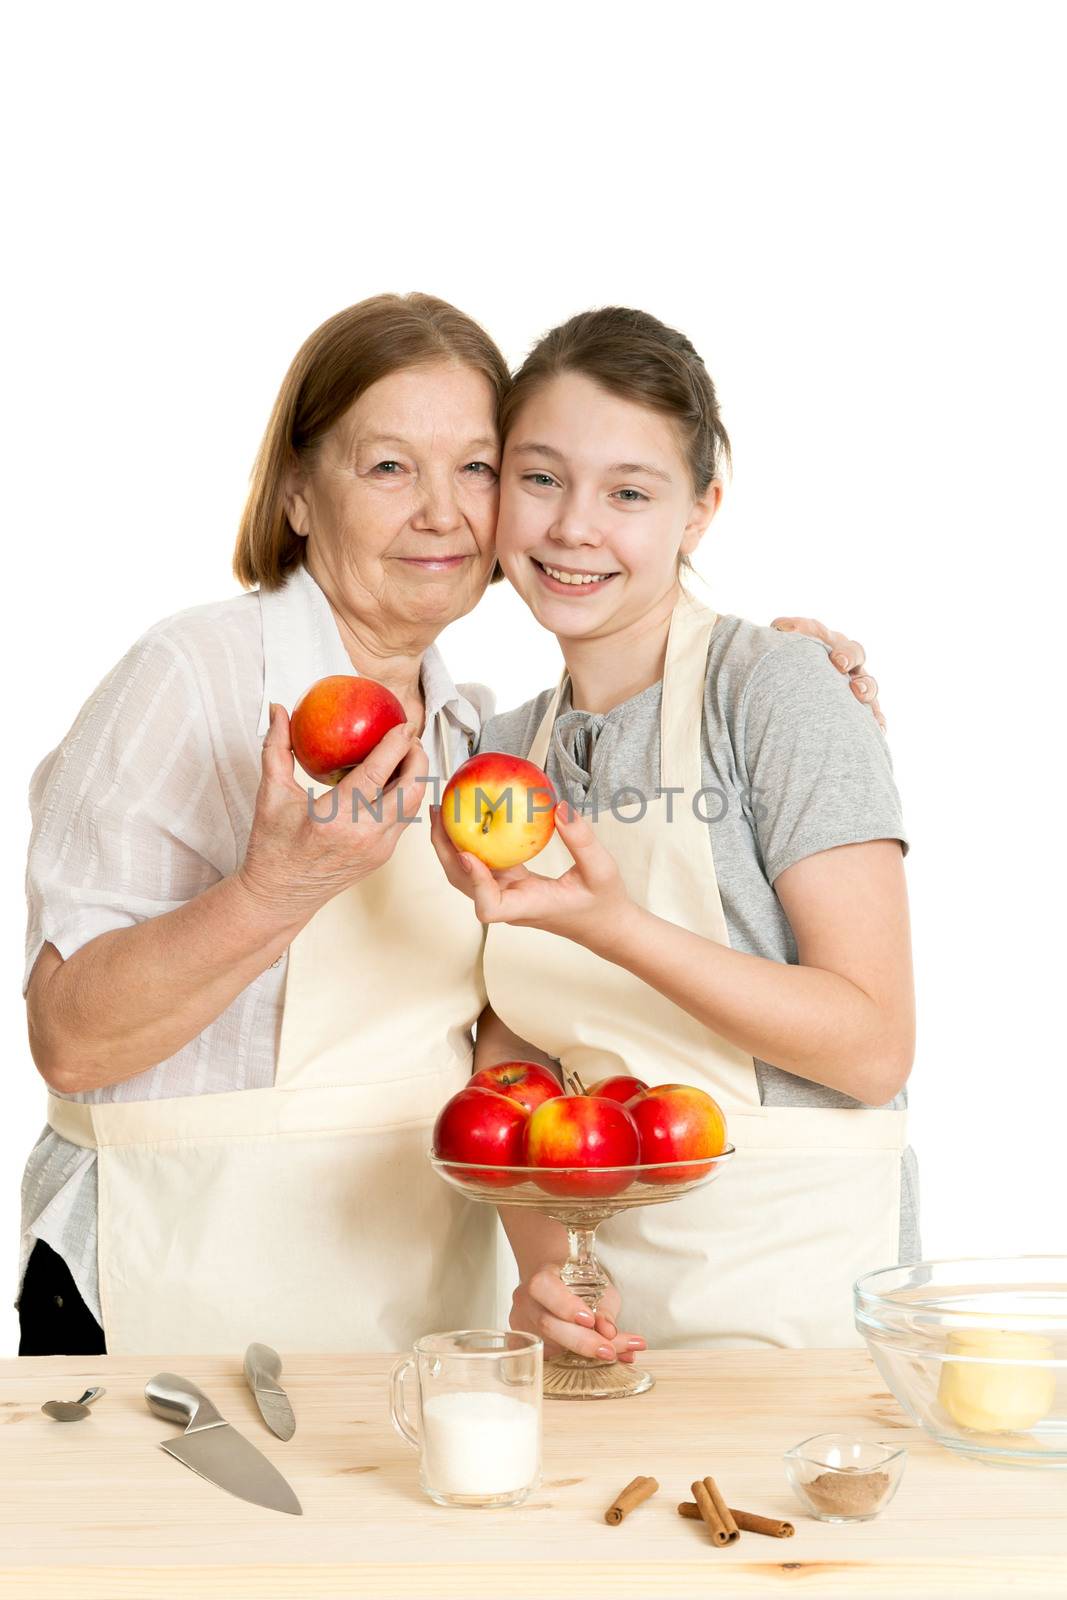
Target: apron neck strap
[682, 712]
[682, 709]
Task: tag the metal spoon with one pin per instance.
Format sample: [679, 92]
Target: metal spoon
[72, 1410]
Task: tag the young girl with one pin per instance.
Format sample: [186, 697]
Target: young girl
[730, 910]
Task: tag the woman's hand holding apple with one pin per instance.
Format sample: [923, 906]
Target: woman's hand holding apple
[297, 862]
[543, 1304]
[588, 898]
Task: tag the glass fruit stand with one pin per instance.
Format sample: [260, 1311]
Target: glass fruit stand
[581, 1198]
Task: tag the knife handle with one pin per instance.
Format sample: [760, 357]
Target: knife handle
[178, 1400]
[263, 1366]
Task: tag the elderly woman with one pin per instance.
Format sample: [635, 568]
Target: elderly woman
[248, 1015]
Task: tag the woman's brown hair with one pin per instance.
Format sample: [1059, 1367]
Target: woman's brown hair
[332, 368]
[633, 355]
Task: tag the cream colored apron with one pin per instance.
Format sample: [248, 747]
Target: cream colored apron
[768, 1252]
[307, 1216]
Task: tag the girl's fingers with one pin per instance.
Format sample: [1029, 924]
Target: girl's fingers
[547, 1289]
[483, 887]
[626, 1344]
[594, 862]
[555, 1308]
[579, 1341]
[864, 687]
[447, 853]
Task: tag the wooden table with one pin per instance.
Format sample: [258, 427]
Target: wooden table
[95, 1509]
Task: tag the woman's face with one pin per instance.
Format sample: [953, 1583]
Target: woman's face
[596, 506]
[399, 508]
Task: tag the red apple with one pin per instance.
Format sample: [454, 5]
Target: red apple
[676, 1121]
[479, 1125]
[525, 1081]
[499, 808]
[581, 1130]
[337, 722]
[620, 1088]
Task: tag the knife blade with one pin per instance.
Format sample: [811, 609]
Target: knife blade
[263, 1367]
[215, 1449]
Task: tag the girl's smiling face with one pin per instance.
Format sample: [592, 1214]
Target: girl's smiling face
[597, 504]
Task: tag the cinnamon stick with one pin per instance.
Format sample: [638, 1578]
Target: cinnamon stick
[637, 1491]
[747, 1521]
[721, 1531]
[725, 1514]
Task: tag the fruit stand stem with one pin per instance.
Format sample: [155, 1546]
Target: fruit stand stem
[582, 1272]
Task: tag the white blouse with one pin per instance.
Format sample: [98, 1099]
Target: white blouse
[146, 802]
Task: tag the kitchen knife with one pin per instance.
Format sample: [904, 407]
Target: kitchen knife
[263, 1368]
[213, 1448]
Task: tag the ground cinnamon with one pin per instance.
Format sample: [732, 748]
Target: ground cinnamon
[747, 1521]
[847, 1494]
[715, 1512]
[637, 1491]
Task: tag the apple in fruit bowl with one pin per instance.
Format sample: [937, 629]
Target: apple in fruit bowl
[500, 808]
[581, 1131]
[337, 723]
[620, 1088]
[676, 1122]
[525, 1081]
[480, 1125]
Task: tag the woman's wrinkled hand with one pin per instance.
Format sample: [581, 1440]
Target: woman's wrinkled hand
[579, 905]
[543, 1304]
[300, 853]
[847, 656]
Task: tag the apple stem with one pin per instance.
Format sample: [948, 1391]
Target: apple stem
[577, 1082]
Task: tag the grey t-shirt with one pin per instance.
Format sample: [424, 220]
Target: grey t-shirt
[792, 763]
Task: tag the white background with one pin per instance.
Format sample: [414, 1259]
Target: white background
[854, 211]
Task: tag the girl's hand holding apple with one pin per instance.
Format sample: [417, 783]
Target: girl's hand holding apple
[297, 862]
[580, 905]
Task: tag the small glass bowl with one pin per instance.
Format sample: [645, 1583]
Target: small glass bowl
[834, 1476]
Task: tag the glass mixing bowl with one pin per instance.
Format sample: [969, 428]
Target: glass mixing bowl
[976, 1352]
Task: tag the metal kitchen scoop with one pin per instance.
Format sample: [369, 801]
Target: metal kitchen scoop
[213, 1448]
[72, 1410]
[263, 1368]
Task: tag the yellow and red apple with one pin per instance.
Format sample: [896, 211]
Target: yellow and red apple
[337, 723]
[525, 1081]
[676, 1122]
[580, 1131]
[499, 808]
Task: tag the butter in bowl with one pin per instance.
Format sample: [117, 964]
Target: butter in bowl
[976, 1352]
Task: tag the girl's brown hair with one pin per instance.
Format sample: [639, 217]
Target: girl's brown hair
[332, 368]
[633, 355]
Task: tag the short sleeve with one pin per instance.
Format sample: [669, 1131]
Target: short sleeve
[127, 812]
[818, 767]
